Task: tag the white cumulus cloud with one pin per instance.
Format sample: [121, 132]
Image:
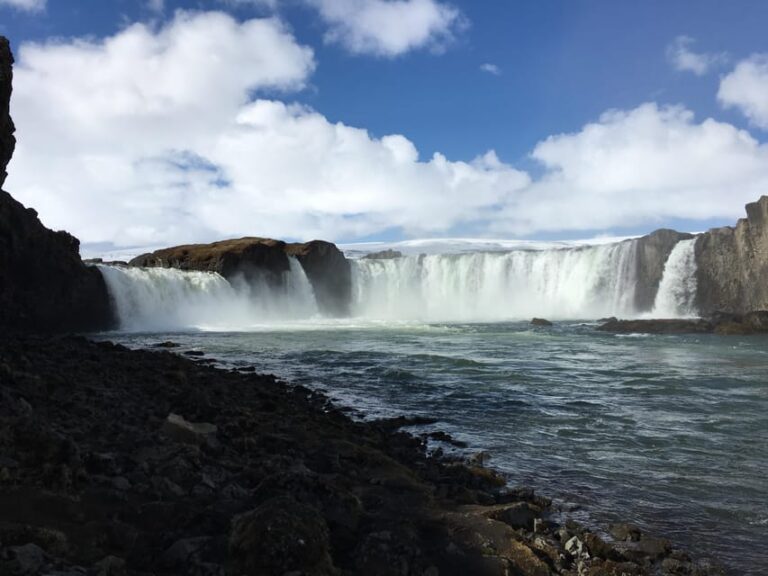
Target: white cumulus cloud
[682, 56]
[170, 138]
[389, 28]
[746, 88]
[491, 69]
[161, 143]
[29, 5]
[640, 167]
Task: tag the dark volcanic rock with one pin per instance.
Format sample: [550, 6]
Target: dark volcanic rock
[541, 322]
[657, 326]
[251, 259]
[733, 264]
[262, 260]
[384, 255]
[252, 476]
[329, 272]
[44, 286]
[652, 253]
[722, 323]
[7, 140]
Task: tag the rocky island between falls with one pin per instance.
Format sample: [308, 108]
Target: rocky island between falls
[117, 461]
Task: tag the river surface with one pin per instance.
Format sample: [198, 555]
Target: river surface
[668, 432]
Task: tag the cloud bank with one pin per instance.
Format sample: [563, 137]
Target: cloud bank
[170, 139]
[746, 88]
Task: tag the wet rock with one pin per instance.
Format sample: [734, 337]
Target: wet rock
[541, 322]
[167, 344]
[180, 430]
[625, 532]
[280, 536]
[520, 516]
[196, 353]
[677, 326]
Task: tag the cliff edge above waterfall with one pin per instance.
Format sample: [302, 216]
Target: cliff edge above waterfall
[44, 285]
[258, 260]
[732, 264]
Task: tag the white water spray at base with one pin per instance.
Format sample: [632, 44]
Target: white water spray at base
[153, 299]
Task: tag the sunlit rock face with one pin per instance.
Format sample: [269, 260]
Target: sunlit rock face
[44, 286]
[733, 264]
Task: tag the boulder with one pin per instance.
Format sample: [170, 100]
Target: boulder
[279, 537]
[541, 322]
[44, 285]
[180, 430]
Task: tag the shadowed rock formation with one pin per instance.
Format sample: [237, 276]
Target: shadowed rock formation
[733, 264]
[44, 286]
[653, 251]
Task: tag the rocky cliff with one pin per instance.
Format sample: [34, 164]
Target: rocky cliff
[258, 260]
[44, 286]
[653, 251]
[732, 264]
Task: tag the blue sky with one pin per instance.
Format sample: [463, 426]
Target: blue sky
[559, 66]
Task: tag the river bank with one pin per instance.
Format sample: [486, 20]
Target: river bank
[144, 462]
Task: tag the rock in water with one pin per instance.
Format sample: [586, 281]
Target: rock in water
[44, 286]
[541, 322]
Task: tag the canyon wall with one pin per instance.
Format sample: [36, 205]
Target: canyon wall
[732, 262]
[44, 285]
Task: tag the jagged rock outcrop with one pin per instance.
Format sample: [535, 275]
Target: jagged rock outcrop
[652, 253]
[732, 264]
[263, 260]
[329, 272]
[251, 259]
[7, 140]
[44, 286]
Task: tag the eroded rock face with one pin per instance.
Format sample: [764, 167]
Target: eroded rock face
[44, 286]
[252, 259]
[258, 260]
[329, 272]
[653, 251]
[7, 140]
[733, 264]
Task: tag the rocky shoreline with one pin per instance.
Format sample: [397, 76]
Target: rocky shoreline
[115, 461]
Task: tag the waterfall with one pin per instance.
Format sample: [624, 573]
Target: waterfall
[677, 292]
[151, 299]
[585, 282]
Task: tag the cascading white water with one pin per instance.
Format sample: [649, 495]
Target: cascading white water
[677, 292]
[582, 282]
[150, 299]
